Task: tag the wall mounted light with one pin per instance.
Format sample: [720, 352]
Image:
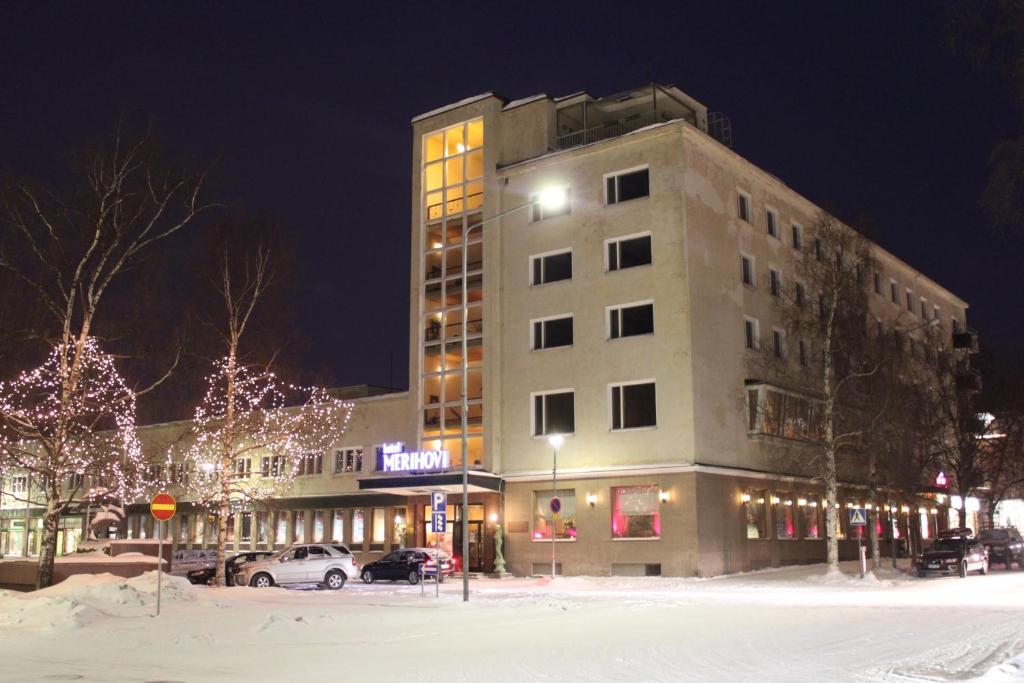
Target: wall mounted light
[591, 499]
[775, 500]
[869, 506]
[801, 502]
[745, 497]
[904, 508]
[935, 511]
[922, 510]
[494, 518]
[663, 496]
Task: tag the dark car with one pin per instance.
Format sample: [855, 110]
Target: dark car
[954, 552]
[408, 565]
[1005, 546]
[231, 565]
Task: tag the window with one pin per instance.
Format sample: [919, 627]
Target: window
[802, 345]
[636, 512]
[910, 301]
[564, 525]
[379, 529]
[800, 293]
[551, 333]
[182, 536]
[775, 281]
[630, 320]
[633, 406]
[755, 510]
[272, 466]
[779, 413]
[338, 527]
[298, 526]
[553, 267]
[262, 529]
[747, 270]
[539, 211]
[628, 252]
[797, 233]
[924, 309]
[778, 343]
[281, 529]
[243, 467]
[357, 527]
[935, 312]
[553, 413]
[622, 187]
[785, 520]
[19, 484]
[955, 325]
[878, 283]
[247, 527]
[811, 514]
[772, 221]
[819, 249]
[311, 463]
[348, 460]
[751, 334]
[743, 206]
[894, 292]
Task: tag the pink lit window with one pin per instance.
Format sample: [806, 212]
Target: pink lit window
[635, 512]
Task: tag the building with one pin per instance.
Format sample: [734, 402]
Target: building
[623, 321]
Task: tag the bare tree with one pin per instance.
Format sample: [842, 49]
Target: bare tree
[248, 413]
[1003, 448]
[66, 250]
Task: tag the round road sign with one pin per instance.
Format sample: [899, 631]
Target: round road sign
[556, 504]
[163, 506]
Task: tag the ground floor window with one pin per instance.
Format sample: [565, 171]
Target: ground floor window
[318, 526]
[298, 526]
[398, 535]
[182, 537]
[811, 513]
[636, 512]
[564, 523]
[357, 527]
[281, 535]
[378, 529]
[756, 513]
[197, 531]
[262, 529]
[785, 520]
[338, 527]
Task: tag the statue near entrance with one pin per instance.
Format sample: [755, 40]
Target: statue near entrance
[499, 559]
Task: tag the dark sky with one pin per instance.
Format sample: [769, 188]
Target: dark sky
[855, 104]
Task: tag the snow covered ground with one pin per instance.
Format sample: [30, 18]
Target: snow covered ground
[792, 624]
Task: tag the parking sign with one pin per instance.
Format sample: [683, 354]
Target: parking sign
[438, 511]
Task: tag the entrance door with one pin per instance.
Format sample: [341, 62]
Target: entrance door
[475, 562]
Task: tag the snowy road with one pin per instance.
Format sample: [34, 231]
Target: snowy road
[783, 625]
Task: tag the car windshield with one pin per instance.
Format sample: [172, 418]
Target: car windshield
[995, 535]
[946, 544]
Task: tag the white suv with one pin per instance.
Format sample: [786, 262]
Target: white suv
[328, 564]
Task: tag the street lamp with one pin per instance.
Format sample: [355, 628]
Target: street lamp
[556, 442]
[553, 199]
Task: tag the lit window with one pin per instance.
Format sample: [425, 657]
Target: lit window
[631, 320]
[755, 511]
[743, 206]
[633, 406]
[564, 524]
[379, 527]
[357, 527]
[338, 527]
[622, 187]
[629, 252]
[811, 514]
[636, 512]
[553, 413]
[298, 526]
[552, 332]
[554, 267]
[785, 517]
[747, 270]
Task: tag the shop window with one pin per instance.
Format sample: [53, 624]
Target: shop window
[756, 513]
[246, 527]
[636, 512]
[633, 406]
[281, 535]
[553, 413]
[338, 527]
[554, 267]
[785, 519]
[565, 522]
[628, 252]
[399, 528]
[357, 528]
[197, 531]
[262, 529]
[378, 529]
[623, 187]
[318, 526]
[182, 537]
[299, 526]
[631, 320]
[811, 513]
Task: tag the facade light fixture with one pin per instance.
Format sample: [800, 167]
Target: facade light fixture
[663, 496]
[591, 499]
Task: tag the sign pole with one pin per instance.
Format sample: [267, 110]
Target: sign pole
[162, 507]
[159, 563]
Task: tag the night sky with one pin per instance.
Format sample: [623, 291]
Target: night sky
[863, 108]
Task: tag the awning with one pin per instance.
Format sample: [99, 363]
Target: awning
[423, 484]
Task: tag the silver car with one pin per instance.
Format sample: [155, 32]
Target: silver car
[329, 564]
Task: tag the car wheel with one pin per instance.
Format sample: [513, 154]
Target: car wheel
[368, 576]
[261, 580]
[334, 580]
[963, 569]
[414, 577]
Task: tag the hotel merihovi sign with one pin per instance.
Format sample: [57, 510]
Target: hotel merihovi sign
[394, 458]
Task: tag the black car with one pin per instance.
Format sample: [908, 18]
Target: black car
[1005, 546]
[407, 565]
[954, 552]
[205, 576]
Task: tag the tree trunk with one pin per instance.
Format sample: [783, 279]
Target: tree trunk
[831, 511]
[962, 512]
[876, 556]
[48, 550]
[223, 506]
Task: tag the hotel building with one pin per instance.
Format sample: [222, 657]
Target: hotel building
[627, 321]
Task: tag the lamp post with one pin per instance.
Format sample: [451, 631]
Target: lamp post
[551, 198]
[556, 442]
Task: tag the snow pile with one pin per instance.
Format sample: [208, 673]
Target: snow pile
[43, 613]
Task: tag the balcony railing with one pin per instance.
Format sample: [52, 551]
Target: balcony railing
[612, 129]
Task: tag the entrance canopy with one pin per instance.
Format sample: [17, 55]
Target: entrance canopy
[423, 484]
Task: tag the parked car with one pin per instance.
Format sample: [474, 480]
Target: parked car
[328, 564]
[184, 561]
[206, 575]
[409, 564]
[1005, 546]
[954, 551]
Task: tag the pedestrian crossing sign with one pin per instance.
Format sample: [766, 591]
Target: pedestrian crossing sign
[858, 517]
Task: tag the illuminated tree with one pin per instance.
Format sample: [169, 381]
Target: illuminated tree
[69, 421]
[250, 416]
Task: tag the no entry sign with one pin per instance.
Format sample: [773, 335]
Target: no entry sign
[163, 506]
